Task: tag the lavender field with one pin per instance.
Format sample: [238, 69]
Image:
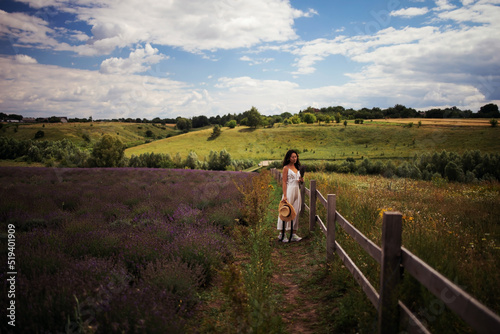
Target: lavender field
[113, 250]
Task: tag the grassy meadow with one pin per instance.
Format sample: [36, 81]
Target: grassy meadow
[483, 122]
[451, 226]
[329, 141]
[131, 134]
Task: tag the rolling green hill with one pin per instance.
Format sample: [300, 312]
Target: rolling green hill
[131, 134]
[329, 141]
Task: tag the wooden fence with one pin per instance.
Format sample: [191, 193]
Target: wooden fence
[393, 258]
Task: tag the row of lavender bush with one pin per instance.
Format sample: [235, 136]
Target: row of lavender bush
[114, 250]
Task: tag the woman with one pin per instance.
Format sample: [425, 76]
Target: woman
[291, 193]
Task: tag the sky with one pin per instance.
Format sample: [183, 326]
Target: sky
[110, 59]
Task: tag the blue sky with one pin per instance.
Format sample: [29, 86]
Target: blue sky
[149, 58]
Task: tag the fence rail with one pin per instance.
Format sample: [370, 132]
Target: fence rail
[393, 257]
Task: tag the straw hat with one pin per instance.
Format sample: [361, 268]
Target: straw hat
[286, 211]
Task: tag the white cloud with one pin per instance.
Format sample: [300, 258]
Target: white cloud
[24, 59]
[194, 25]
[257, 61]
[443, 5]
[422, 66]
[356, 48]
[34, 89]
[372, 87]
[269, 96]
[26, 29]
[139, 61]
[482, 12]
[410, 12]
[458, 56]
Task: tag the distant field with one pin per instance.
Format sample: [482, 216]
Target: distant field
[437, 121]
[376, 140]
[129, 133]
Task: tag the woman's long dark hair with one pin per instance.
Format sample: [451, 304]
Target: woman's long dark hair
[286, 160]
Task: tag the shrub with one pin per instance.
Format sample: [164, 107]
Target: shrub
[453, 172]
[34, 154]
[219, 161]
[493, 122]
[337, 117]
[231, 124]
[295, 119]
[151, 160]
[308, 118]
[86, 137]
[256, 198]
[242, 164]
[183, 124]
[174, 276]
[192, 160]
[470, 177]
[39, 134]
[108, 152]
[216, 131]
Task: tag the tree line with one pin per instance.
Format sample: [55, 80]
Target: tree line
[253, 118]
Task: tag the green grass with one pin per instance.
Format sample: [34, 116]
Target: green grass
[374, 140]
[328, 142]
[452, 227]
[131, 134]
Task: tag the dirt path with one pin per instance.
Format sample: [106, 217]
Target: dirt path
[292, 269]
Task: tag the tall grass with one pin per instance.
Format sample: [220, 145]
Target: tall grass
[451, 226]
[262, 316]
[249, 301]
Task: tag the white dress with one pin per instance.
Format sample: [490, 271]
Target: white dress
[293, 197]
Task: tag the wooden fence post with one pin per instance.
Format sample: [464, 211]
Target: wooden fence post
[388, 317]
[330, 227]
[312, 205]
[302, 196]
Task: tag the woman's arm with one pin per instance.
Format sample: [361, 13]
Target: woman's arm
[285, 179]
